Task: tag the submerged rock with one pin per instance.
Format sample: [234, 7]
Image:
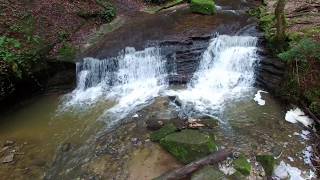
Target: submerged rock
[242, 165]
[189, 145]
[203, 6]
[9, 158]
[163, 132]
[267, 162]
[208, 173]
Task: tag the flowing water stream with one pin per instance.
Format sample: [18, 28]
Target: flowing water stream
[115, 93]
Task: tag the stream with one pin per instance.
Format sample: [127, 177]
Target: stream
[98, 130]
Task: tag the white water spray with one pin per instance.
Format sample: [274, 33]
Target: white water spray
[226, 72]
[131, 80]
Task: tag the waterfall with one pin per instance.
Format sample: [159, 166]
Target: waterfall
[134, 78]
[226, 72]
[131, 80]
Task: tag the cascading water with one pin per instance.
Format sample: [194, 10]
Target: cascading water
[131, 80]
[134, 78]
[226, 71]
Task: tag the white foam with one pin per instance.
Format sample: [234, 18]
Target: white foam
[226, 71]
[307, 155]
[131, 80]
[258, 98]
[296, 115]
[284, 171]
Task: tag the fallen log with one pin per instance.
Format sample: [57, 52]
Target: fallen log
[188, 169]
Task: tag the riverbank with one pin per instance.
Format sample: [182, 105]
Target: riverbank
[40, 42]
[300, 80]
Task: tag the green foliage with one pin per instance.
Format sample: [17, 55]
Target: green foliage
[63, 35]
[266, 21]
[108, 14]
[303, 50]
[312, 95]
[67, 52]
[315, 108]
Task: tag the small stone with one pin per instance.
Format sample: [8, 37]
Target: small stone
[242, 165]
[66, 147]
[8, 143]
[9, 158]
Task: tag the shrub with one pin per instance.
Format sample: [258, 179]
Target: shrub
[304, 50]
[67, 52]
[108, 14]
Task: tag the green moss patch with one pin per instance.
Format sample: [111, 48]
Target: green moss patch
[189, 145]
[267, 162]
[203, 6]
[163, 132]
[242, 165]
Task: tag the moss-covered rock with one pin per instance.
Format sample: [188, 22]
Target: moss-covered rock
[208, 173]
[189, 145]
[163, 132]
[267, 162]
[203, 6]
[242, 165]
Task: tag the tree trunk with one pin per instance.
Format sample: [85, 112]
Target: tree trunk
[280, 24]
[188, 169]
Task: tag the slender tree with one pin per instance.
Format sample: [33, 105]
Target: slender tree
[280, 36]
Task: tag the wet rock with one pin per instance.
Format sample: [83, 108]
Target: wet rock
[4, 149]
[267, 162]
[136, 141]
[154, 124]
[208, 173]
[188, 145]
[175, 100]
[8, 143]
[9, 158]
[242, 165]
[203, 6]
[159, 119]
[39, 162]
[163, 132]
[66, 147]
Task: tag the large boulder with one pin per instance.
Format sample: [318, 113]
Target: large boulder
[208, 173]
[189, 145]
[203, 6]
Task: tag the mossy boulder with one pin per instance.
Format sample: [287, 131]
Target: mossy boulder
[203, 6]
[242, 165]
[208, 173]
[163, 132]
[267, 162]
[189, 145]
